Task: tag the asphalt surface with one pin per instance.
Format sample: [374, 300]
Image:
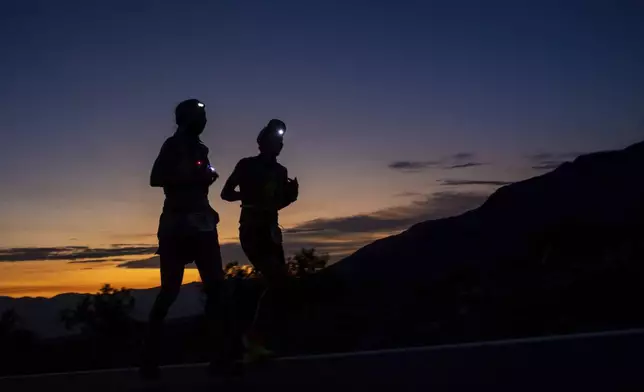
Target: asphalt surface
[610, 361]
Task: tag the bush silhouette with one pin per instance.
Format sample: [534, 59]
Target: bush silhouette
[105, 314]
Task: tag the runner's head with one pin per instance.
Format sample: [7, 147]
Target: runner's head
[190, 116]
[271, 138]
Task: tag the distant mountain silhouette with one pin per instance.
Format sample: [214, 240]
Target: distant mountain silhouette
[602, 189]
[42, 315]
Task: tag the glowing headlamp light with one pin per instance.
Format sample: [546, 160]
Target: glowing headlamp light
[280, 132]
[209, 167]
[201, 105]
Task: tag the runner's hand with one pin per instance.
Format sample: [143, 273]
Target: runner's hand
[207, 176]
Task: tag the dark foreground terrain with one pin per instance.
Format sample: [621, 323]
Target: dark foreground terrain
[593, 362]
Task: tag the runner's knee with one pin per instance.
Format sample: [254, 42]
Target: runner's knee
[168, 295]
[162, 304]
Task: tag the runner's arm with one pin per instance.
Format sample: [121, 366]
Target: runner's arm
[291, 190]
[229, 193]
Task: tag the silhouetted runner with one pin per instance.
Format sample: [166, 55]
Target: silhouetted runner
[264, 189]
[187, 233]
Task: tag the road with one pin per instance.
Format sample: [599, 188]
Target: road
[608, 361]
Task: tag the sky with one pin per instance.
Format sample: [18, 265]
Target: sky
[397, 112]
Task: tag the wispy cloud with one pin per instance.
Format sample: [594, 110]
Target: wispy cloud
[455, 182]
[433, 206]
[344, 235]
[464, 165]
[337, 245]
[337, 236]
[548, 165]
[91, 261]
[151, 262]
[296, 230]
[71, 253]
[413, 165]
[459, 160]
[551, 160]
[409, 194]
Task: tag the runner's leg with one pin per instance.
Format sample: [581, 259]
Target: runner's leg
[268, 258]
[272, 309]
[172, 269]
[219, 309]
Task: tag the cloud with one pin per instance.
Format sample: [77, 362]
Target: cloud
[71, 253]
[90, 261]
[152, 262]
[229, 252]
[550, 160]
[434, 206]
[413, 165]
[341, 236]
[338, 237]
[544, 156]
[299, 231]
[459, 160]
[408, 194]
[454, 182]
[548, 165]
[464, 165]
[337, 245]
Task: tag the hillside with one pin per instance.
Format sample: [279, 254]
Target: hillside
[559, 252]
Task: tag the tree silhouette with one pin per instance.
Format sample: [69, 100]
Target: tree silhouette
[9, 322]
[306, 261]
[16, 342]
[106, 313]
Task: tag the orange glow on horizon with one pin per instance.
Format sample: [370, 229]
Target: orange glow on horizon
[50, 278]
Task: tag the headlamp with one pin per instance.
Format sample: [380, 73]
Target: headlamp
[208, 166]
